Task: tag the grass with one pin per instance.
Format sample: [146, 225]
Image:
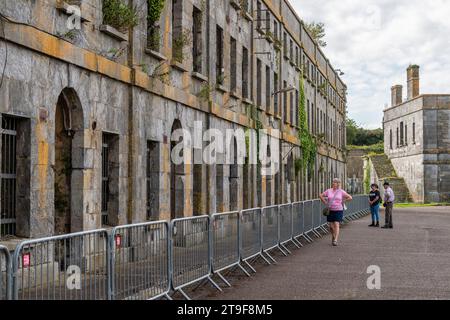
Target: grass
[419, 205]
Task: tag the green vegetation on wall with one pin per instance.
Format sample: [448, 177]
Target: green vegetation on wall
[308, 143]
[119, 15]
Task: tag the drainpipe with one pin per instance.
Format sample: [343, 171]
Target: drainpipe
[130, 178]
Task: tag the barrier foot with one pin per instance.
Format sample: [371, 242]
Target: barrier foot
[317, 234]
[168, 297]
[285, 248]
[250, 266]
[215, 284]
[245, 271]
[297, 243]
[307, 238]
[184, 294]
[223, 279]
[324, 230]
[270, 257]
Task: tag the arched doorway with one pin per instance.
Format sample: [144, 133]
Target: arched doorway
[69, 161]
[177, 173]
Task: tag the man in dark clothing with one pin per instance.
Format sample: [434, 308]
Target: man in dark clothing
[374, 201]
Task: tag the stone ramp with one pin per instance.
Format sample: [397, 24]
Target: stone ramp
[386, 172]
[414, 261]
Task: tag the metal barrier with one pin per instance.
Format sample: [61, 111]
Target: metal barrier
[251, 236]
[67, 267]
[323, 219]
[5, 274]
[140, 260]
[270, 230]
[148, 260]
[298, 223]
[317, 216]
[225, 243]
[191, 252]
[286, 226]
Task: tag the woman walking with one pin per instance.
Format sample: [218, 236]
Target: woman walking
[335, 201]
[374, 201]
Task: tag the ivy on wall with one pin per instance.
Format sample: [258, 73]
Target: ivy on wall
[308, 143]
[155, 8]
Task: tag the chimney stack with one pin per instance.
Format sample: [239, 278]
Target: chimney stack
[413, 81]
[396, 95]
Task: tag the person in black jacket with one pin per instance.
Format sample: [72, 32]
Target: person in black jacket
[374, 201]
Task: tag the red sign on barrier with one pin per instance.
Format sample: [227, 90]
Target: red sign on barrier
[26, 260]
[118, 240]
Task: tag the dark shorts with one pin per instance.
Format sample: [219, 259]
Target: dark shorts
[336, 216]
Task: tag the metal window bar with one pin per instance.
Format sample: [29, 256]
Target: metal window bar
[8, 177]
[5, 274]
[67, 267]
[105, 179]
[140, 261]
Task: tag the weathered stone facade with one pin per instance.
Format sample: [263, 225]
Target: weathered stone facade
[95, 110]
[417, 140]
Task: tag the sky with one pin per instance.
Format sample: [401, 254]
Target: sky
[374, 41]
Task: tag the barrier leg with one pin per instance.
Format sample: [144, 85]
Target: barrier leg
[184, 294]
[223, 279]
[250, 266]
[270, 257]
[215, 284]
[285, 248]
[297, 243]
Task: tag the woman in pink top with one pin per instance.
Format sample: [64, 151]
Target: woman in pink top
[335, 199]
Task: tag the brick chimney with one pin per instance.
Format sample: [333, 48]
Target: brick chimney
[413, 81]
[396, 95]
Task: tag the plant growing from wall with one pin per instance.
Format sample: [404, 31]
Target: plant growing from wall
[308, 143]
[180, 42]
[205, 91]
[367, 177]
[155, 8]
[119, 15]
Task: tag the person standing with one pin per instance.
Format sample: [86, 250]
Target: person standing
[335, 199]
[374, 201]
[389, 198]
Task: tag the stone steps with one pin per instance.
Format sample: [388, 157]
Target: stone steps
[386, 172]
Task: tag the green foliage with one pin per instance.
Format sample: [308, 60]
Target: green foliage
[205, 91]
[155, 8]
[367, 179]
[317, 31]
[359, 136]
[308, 144]
[375, 148]
[119, 15]
[179, 43]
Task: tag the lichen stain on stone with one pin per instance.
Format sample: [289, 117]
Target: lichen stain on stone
[43, 161]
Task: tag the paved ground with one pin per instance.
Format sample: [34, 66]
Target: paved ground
[414, 259]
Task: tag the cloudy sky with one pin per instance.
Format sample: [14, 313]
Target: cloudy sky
[374, 41]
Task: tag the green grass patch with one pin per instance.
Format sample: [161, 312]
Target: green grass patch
[419, 205]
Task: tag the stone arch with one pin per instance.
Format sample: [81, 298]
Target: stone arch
[69, 163]
[177, 177]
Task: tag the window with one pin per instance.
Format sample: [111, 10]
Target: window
[244, 73]
[267, 21]
[285, 103]
[152, 180]
[197, 40]
[177, 30]
[297, 56]
[258, 15]
[276, 96]
[275, 29]
[308, 111]
[233, 67]
[291, 111]
[285, 44]
[15, 176]
[390, 139]
[291, 50]
[414, 132]
[110, 179]
[258, 83]
[398, 141]
[268, 89]
[406, 135]
[219, 56]
[402, 134]
[297, 115]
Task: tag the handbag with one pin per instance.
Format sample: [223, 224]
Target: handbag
[326, 211]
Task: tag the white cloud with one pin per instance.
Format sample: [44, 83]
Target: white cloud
[374, 41]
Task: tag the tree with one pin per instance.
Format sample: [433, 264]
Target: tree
[317, 31]
[359, 136]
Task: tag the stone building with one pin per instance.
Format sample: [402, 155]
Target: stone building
[88, 113]
[417, 140]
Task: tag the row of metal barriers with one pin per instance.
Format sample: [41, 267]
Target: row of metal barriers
[156, 259]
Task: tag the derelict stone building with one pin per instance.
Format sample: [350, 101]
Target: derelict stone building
[417, 140]
[87, 114]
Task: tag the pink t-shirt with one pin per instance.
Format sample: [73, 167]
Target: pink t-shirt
[336, 205]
